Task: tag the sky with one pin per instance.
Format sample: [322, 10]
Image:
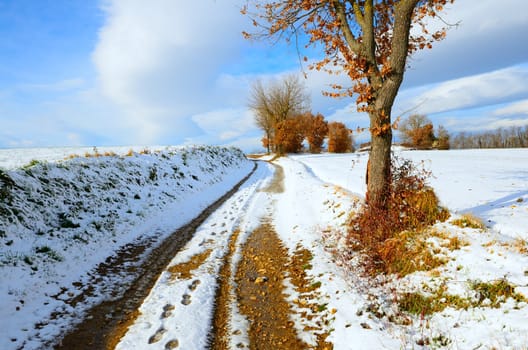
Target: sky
[165, 72]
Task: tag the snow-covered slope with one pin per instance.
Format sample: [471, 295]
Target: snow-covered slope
[59, 220]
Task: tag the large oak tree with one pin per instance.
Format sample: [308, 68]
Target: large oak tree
[369, 40]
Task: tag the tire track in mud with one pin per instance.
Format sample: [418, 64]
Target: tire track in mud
[105, 323]
[258, 285]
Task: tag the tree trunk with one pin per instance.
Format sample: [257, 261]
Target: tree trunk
[268, 136]
[379, 175]
[384, 93]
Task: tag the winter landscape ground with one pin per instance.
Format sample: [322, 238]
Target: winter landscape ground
[270, 263]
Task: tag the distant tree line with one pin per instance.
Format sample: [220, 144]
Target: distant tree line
[513, 137]
[282, 111]
[417, 131]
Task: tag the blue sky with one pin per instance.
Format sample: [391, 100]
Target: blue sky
[159, 72]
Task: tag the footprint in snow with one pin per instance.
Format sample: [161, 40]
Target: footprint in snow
[194, 285]
[172, 344]
[157, 336]
[186, 299]
[167, 311]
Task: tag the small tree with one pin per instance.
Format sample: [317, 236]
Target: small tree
[316, 131]
[442, 139]
[417, 131]
[424, 137]
[339, 138]
[289, 135]
[275, 103]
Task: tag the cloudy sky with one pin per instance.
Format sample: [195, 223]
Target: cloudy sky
[166, 72]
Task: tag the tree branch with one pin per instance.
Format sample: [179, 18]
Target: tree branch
[351, 40]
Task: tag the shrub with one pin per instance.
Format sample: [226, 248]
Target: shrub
[339, 138]
[289, 136]
[316, 131]
[393, 237]
[469, 220]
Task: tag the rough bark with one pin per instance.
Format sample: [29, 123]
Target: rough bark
[379, 179]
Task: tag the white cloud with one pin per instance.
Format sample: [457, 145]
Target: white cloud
[226, 124]
[486, 39]
[506, 123]
[520, 107]
[477, 90]
[159, 59]
[248, 144]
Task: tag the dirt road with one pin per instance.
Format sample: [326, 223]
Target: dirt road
[226, 281]
[107, 322]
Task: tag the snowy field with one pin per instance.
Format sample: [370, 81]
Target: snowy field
[486, 183]
[320, 191]
[18, 157]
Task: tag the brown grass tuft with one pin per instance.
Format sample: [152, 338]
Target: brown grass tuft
[72, 156]
[469, 220]
[406, 253]
[394, 237]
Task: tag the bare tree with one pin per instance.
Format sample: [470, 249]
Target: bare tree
[442, 138]
[260, 104]
[275, 103]
[514, 137]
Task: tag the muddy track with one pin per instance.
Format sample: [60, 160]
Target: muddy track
[257, 285]
[107, 322]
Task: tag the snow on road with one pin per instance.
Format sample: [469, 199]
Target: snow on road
[190, 300]
[300, 214]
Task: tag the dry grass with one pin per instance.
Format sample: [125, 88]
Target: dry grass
[408, 252]
[255, 156]
[469, 220]
[518, 245]
[455, 243]
[419, 304]
[448, 241]
[494, 293]
[485, 294]
[72, 156]
[394, 238]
